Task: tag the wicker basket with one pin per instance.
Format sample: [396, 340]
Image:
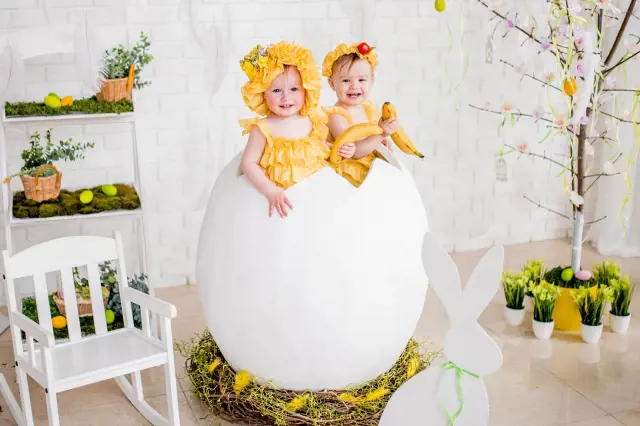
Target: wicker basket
[84, 306]
[117, 88]
[42, 188]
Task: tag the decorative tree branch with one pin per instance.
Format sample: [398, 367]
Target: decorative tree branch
[517, 114]
[546, 208]
[623, 27]
[607, 71]
[519, 28]
[618, 118]
[543, 156]
[603, 174]
[596, 221]
[637, 91]
[532, 76]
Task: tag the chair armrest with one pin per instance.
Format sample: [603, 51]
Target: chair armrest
[149, 302]
[33, 329]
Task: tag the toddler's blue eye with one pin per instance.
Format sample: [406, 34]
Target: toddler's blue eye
[295, 89]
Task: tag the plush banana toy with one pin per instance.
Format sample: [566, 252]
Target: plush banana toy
[399, 138]
[352, 134]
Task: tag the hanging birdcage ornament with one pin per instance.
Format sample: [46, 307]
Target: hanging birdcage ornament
[488, 50]
[501, 169]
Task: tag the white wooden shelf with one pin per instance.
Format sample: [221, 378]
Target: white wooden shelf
[22, 222]
[66, 119]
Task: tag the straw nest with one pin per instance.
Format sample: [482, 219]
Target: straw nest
[238, 398]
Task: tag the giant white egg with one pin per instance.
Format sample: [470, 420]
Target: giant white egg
[325, 298]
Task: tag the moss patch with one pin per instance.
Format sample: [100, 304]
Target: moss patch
[237, 398]
[68, 203]
[554, 276]
[85, 105]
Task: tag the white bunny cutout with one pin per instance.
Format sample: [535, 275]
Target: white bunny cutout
[453, 393]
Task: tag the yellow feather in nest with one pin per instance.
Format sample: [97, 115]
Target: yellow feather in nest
[216, 362]
[377, 394]
[297, 403]
[347, 397]
[412, 368]
[243, 379]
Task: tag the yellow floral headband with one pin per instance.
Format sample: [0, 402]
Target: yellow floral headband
[263, 64]
[363, 50]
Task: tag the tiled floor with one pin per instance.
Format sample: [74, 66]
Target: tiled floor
[558, 382]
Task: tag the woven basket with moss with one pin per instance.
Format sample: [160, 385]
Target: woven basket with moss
[236, 397]
[68, 203]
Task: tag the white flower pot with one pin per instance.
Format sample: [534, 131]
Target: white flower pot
[590, 333]
[514, 317]
[528, 304]
[543, 330]
[619, 324]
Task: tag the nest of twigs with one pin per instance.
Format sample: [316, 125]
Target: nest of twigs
[236, 397]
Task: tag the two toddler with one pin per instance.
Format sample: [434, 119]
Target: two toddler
[294, 138]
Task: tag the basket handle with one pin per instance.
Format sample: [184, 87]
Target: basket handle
[49, 166]
[132, 69]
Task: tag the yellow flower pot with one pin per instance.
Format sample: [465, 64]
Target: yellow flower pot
[566, 314]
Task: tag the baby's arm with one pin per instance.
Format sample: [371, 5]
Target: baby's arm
[255, 173]
[363, 147]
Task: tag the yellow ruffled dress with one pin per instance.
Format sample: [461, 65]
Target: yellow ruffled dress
[355, 171]
[289, 161]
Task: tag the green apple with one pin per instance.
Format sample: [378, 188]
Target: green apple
[86, 196]
[52, 101]
[110, 316]
[567, 274]
[109, 190]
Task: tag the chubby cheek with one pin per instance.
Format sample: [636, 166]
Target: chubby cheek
[298, 98]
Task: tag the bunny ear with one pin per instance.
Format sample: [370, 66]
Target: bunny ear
[442, 273]
[483, 283]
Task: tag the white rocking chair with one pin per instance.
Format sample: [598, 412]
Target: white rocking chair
[61, 366]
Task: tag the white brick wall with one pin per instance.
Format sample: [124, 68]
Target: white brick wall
[467, 208]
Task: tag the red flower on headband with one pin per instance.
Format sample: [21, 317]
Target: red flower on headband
[364, 48]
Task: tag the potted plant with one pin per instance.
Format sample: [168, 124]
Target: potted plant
[515, 286]
[533, 272]
[605, 272]
[591, 306]
[619, 316]
[40, 178]
[566, 315]
[121, 68]
[545, 296]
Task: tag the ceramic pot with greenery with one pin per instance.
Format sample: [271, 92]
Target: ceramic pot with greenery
[619, 315]
[591, 307]
[515, 286]
[545, 296]
[566, 315]
[121, 68]
[40, 178]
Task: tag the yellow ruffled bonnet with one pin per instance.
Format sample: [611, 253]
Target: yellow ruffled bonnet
[263, 64]
[363, 50]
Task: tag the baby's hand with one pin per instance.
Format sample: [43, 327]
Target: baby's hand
[347, 150]
[389, 126]
[278, 201]
[387, 143]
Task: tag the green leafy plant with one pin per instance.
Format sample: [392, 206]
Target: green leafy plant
[39, 155]
[86, 105]
[533, 271]
[514, 286]
[605, 272]
[591, 306]
[137, 282]
[622, 294]
[545, 296]
[118, 60]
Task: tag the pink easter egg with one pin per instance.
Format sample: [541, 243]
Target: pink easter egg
[583, 275]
